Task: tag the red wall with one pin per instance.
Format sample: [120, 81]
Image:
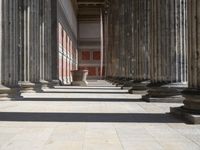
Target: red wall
[90, 59]
[68, 56]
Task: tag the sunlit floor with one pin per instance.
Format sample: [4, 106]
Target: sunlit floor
[97, 117]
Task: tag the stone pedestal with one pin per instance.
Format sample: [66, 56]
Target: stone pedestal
[44, 84]
[167, 93]
[120, 81]
[4, 93]
[27, 87]
[79, 78]
[54, 83]
[115, 80]
[128, 84]
[139, 87]
[10, 93]
[192, 99]
[190, 112]
[38, 87]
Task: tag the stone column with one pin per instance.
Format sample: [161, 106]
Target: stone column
[126, 23]
[110, 42]
[190, 112]
[4, 91]
[70, 60]
[35, 41]
[140, 53]
[45, 41]
[122, 45]
[106, 34]
[115, 42]
[49, 63]
[25, 53]
[10, 43]
[121, 35]
[127, 40]
[116, 50]
[54, 44]
[168, 51]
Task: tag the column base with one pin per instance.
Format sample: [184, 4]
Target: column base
[66, 82]
[109, 78]
[4, 93]
[113, 79]
[190, 112]
[165, 93]
[42, 84]
[139, 87]
[185, 115]
[53, 83]
[27, 87]
[127, 85]
[192, 99]
[122, 81]
[7, 94]
[116, 80]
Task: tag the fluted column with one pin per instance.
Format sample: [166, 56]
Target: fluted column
[121, 35]
[70, 60]
[109, 39]
[45, 41]
[54, 44]
[119, 41]
[48, 66]
[193, 101]
[25, 46]
[191, 109]
[127, 37]
[3, 90]
[35, 42]
[115, 39]
[168, 42]
[168, 51]
[140, 53]
[106, 37]
[10, 43]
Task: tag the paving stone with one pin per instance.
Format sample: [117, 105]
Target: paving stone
[92, 124]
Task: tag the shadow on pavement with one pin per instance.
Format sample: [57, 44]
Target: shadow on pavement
[87, 117]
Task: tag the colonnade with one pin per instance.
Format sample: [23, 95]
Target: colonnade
[34, 42]
[156, 42]
[25, 45]
[148, 38]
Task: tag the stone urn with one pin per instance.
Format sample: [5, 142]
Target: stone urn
[79, 77]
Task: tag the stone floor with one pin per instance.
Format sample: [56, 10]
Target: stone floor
[98, 117]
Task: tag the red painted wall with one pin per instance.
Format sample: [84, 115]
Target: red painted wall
[90, 59]
[96, 55]
[68, 56]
